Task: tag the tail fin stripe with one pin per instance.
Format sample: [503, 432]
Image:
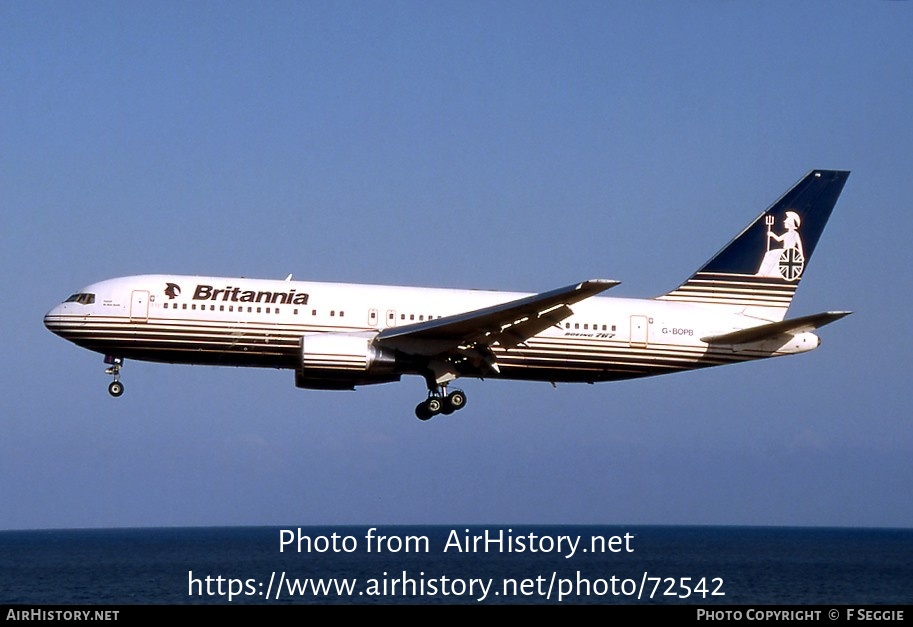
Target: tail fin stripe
[728, 293]
[713, 299]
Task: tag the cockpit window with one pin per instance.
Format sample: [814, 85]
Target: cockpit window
[81, 298]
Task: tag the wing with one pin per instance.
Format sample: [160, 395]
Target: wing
[508, 324]
[768, 331]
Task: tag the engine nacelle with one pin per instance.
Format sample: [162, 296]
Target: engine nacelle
[340, 361]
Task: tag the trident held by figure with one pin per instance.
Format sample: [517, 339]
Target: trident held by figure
[769, 221]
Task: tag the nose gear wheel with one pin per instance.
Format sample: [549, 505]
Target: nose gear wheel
[115, 388]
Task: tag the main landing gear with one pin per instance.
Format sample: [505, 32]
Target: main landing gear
[440, 402]
[115, 388]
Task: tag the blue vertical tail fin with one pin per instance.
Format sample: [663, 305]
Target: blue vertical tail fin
[758, 272]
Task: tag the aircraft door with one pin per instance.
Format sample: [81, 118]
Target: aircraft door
[639, 326]
[391, 318]
[139, 306]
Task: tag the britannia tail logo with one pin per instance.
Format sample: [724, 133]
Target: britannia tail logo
[787, 261]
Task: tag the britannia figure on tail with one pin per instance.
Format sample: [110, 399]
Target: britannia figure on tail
[788, 261]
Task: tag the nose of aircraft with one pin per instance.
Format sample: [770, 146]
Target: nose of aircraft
[50, 318]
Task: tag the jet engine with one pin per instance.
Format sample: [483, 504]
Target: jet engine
[340, 361]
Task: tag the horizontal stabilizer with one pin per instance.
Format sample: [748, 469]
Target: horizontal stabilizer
[774, 329]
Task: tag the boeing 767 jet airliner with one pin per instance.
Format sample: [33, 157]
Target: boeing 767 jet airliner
[338, 336]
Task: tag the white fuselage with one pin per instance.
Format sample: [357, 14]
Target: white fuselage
[252, 322]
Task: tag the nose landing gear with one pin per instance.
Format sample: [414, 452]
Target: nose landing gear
[115, 388]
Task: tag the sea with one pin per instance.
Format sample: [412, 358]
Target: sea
[458, 565]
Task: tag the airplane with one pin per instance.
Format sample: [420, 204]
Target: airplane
[338, 336]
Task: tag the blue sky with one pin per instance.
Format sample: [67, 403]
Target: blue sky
[504, 145]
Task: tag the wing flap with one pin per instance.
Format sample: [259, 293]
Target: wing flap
[774, 329]
[515, 334]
